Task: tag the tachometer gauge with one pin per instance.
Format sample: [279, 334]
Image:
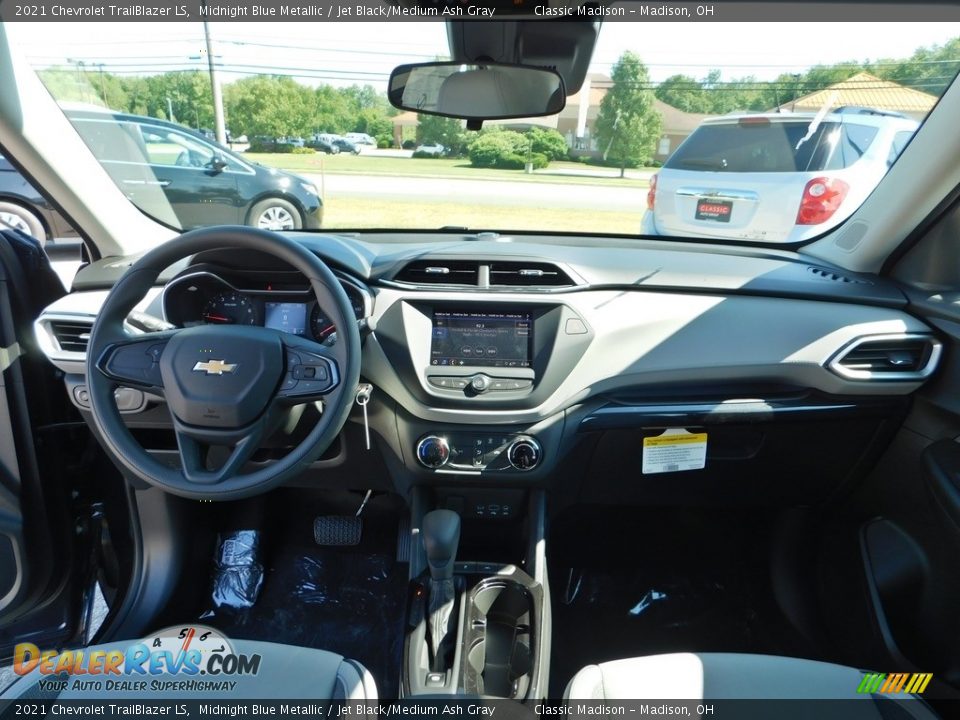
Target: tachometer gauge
[322, 327]
[229, 308]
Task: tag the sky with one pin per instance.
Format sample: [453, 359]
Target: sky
[346, 53]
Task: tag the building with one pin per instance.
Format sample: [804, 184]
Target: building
[866, 90]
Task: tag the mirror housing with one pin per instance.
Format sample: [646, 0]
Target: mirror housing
[218, 164]
[477, 91]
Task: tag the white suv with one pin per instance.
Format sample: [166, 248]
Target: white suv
[734, 176]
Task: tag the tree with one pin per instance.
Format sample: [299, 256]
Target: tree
[628, 125]
[271, 106]
[448, 132]
[684, 93]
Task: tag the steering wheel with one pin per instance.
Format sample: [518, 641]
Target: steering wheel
[225, 385]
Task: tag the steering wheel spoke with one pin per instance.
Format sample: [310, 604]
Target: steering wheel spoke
[311, 372]
[136, 361]
[194, 445]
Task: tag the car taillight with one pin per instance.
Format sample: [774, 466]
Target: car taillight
[652, 192]
[821, 199]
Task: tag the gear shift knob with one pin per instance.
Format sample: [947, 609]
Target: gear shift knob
[441, 535]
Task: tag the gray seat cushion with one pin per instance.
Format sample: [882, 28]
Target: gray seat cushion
[723, 676]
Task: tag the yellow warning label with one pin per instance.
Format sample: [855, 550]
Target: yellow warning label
[661, 440]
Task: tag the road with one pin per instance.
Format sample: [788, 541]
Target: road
[535, 195]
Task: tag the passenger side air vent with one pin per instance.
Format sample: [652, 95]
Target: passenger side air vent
[822, 273]
[888, 357]
[440, 272]
[527, 274]
[71, 336]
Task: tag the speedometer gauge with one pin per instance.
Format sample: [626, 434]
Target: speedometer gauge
[322, 327]
[229, 308]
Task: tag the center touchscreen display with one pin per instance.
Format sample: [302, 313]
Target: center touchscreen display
[488, 339]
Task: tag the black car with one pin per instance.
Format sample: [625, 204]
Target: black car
[346, 146]
[24, 208]
[324, 144]
[181, 177]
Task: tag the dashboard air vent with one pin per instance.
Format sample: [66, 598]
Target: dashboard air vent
[822, 273]
[527, 274]
[440, 272]
[71, 336]
[888, 357]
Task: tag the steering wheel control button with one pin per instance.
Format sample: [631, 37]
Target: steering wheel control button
[480, 383]
[433, 452]
[134, 363]
[524, 453]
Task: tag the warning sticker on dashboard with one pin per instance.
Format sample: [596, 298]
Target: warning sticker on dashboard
[674, 450]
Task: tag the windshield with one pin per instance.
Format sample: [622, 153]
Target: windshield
[747, 132]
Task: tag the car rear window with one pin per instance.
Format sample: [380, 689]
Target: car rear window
[758, 146]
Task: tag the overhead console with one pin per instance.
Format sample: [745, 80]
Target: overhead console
[478, 354]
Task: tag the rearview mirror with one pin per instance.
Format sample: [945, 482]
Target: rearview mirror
[481, 91]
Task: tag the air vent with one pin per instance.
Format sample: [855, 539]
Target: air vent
[440, 272]
[527, 274]
[71, 336]
[822, 273]
[888, 357]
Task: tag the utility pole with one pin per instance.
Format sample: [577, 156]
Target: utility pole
[219, 125]
[103, 87]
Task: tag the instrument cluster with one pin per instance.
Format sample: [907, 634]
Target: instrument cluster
[205, 298]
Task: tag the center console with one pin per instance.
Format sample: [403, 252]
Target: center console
[482, 629]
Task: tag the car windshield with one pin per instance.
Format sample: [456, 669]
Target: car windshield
[744, 132]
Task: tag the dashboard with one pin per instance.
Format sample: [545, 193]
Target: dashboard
[492, 358]
[206, 297]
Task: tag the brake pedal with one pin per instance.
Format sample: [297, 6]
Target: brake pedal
[337, 530]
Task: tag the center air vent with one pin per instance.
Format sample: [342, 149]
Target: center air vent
[484, 274]
[527, 274]
[71, 336]
[888, 357]
[440, 272]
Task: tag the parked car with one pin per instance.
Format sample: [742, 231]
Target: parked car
[361, 139]
[346, 146]
[432, 149]
[24, 208]
[733, 177]
[171, 170]
[324, 142]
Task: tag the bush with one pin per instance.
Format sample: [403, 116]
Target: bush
[303, 150]
[422, 154]
[539, 160]
[488, 149]
[408, 145]
[511, 161]
[547, 142]
[262, 146]
[383, 143]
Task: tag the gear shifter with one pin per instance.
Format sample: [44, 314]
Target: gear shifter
[441, 535]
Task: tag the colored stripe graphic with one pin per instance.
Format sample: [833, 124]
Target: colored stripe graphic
[911, 683]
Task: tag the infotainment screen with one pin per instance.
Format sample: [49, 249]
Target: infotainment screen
[286, 316]
[488, 339]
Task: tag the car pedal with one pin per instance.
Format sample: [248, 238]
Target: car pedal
[337, 530]
[404, 540]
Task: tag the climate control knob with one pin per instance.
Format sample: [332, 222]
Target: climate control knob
[433, 451]
[524, 453]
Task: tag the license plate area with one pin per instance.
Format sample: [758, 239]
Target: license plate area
[715, 210]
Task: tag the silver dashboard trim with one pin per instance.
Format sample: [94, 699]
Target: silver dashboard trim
[936, 349]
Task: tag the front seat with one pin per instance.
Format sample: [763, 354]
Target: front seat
[735, 676]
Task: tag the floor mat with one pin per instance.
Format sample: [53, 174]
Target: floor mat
[646, 585]
[348, 600]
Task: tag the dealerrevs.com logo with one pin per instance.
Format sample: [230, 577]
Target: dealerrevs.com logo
[182, 652]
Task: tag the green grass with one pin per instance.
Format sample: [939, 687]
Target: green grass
[439, 167]
[362, 213]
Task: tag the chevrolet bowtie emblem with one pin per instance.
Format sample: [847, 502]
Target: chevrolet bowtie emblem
[214, 367]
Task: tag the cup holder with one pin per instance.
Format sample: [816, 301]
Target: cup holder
[499, 638]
